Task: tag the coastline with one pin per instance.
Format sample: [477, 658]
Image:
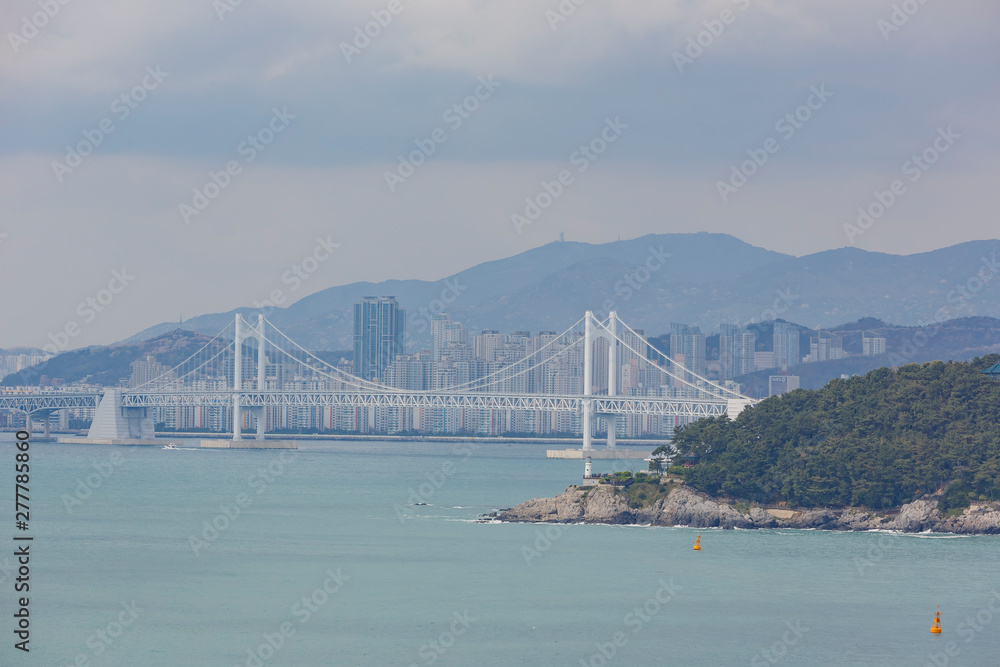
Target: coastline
[683, 506]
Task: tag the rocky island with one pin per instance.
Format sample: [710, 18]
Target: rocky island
[673, 504]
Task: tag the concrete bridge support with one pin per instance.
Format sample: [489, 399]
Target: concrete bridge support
[114, 422]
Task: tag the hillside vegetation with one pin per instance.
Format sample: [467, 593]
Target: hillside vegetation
[878, 440]
[107, 365]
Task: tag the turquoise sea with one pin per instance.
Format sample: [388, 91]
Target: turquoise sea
[319, 558]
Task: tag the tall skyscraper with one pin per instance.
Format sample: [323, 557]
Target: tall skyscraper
[786, 345]
[687, 345]
[487, 345]
[379, 326]
[736, 351]
[446, 334]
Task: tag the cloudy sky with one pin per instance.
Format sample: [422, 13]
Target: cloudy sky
[117, 114]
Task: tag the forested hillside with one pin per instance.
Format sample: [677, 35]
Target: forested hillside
[878, 440]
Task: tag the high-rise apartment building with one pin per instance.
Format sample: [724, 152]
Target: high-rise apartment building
[736, 351]
[872, 345]
[687, 346]
[488, 345]
[150, 371]
[786, 345]
[379, 327]
[446, 334]
[825, 347]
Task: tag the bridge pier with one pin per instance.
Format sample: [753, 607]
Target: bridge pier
[238, 379]
[260, 414]
[588, 376]
[114, 422]
[612, 375]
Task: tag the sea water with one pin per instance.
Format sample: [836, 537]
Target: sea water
[146, 557]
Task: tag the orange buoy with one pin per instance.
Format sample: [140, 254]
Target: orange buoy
[697, 543]
[936, 627]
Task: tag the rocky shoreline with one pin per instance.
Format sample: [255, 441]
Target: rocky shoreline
[684, 506]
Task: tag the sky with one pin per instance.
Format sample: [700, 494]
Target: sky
[169, 158]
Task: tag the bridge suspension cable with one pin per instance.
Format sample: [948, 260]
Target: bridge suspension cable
[352, 380]
[229, 348]
[682, 367]
[523, 359]
[175, 368]
[471, 385]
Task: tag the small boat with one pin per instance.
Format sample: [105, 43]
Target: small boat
[170, 446]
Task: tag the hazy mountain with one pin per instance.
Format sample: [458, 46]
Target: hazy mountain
[955, 340]
[704, 279]
[107, 365]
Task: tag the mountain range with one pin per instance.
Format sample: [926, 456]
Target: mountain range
[700, 279]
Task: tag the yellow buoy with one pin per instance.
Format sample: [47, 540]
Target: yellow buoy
[697, 543]
[936, 627]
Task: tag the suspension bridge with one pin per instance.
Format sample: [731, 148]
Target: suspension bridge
[221, 374]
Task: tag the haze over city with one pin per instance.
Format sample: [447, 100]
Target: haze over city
[300, 118]
[493, 332]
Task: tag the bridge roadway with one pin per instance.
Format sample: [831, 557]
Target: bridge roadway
[600, 404]
[37, 402]
[397, 399]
